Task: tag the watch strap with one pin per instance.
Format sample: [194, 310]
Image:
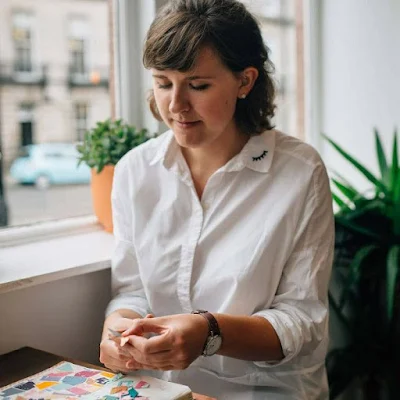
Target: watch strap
[212, 322]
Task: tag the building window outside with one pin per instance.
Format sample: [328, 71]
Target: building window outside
[77, 55]
[81, 120]
[78, 43]
[22, 37]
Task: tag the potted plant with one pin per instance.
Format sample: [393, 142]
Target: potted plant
[102, 147]
[366, 295]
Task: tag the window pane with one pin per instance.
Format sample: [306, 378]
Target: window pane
[54, 68]
[278, 24]
[81, 111]
[22, 27]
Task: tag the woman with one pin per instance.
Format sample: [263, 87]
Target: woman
[221, 213]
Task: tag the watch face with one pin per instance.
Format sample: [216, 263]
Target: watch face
[213, 345]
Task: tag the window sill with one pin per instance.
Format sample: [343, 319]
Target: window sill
[25, 263]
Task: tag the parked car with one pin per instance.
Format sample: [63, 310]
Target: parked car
[49, 163]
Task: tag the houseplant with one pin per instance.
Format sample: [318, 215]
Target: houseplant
[366, 295]
[102, 147]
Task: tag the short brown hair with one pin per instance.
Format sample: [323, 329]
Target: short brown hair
[182, 27]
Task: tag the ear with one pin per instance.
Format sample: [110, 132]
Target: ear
[248, 78]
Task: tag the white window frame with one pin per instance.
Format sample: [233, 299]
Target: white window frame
[312, 72]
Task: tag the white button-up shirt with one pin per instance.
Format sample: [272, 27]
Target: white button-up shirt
[259, 242]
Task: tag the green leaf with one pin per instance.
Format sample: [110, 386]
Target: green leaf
[362, 254]
[338, 312]
[392, 273]
[395, 186]
[343, 180]
[343, 368]
[356, 228]
[364, 171]
[355, 271]
[394, 173]
[381, 158]
[347, 191]
[342, 205]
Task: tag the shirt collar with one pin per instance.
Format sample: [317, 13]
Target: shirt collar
[167, 150]
[257, 154]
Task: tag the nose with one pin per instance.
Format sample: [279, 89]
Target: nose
[179, 102]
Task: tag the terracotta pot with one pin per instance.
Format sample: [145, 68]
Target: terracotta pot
[101, 196]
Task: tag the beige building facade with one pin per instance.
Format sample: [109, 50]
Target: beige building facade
[54, 66]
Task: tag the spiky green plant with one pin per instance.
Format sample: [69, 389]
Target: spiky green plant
[366, 300]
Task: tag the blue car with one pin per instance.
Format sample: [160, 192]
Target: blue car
[49, 163]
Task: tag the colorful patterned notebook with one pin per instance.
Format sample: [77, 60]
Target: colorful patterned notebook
[73, 382]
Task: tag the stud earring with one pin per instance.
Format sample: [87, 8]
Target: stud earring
[243, 96]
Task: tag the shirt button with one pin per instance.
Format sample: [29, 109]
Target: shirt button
[206, 206]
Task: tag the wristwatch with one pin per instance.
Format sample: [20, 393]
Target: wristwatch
[214, 338]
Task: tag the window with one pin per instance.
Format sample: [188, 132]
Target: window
[49, 96]
[22, 37]
[78, 32]
[77, 48]
[81, 111]
[279, 25]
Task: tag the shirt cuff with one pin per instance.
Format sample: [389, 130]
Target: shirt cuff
[126, 301]
[289, 333]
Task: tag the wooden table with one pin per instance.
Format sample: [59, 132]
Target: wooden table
[27, 361]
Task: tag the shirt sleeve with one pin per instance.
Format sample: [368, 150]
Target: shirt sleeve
[299, 312]
[126, 284]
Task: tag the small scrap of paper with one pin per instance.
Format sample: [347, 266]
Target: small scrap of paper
[142, 385]
[124, 340]
[119, 389]
[117, 337]
[133, 393]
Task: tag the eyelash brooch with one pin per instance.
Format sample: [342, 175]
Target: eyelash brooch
[261, 156]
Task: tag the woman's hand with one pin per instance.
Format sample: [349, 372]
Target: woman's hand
[112, 355]
[180, 340]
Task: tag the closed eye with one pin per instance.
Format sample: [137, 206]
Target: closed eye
[200, 87]
[169, 85]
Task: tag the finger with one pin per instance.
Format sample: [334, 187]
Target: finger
[164, 367]
[145, 325]
[149, 316]
[133, 365]
[163, 357]
[120, 368]
[117, 348]
[121, 324]
[113, 357]
[108, 360]
[155, 344]
[119, 342]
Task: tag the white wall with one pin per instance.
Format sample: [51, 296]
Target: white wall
[64, 317]
[358, 85]
[359, 71]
